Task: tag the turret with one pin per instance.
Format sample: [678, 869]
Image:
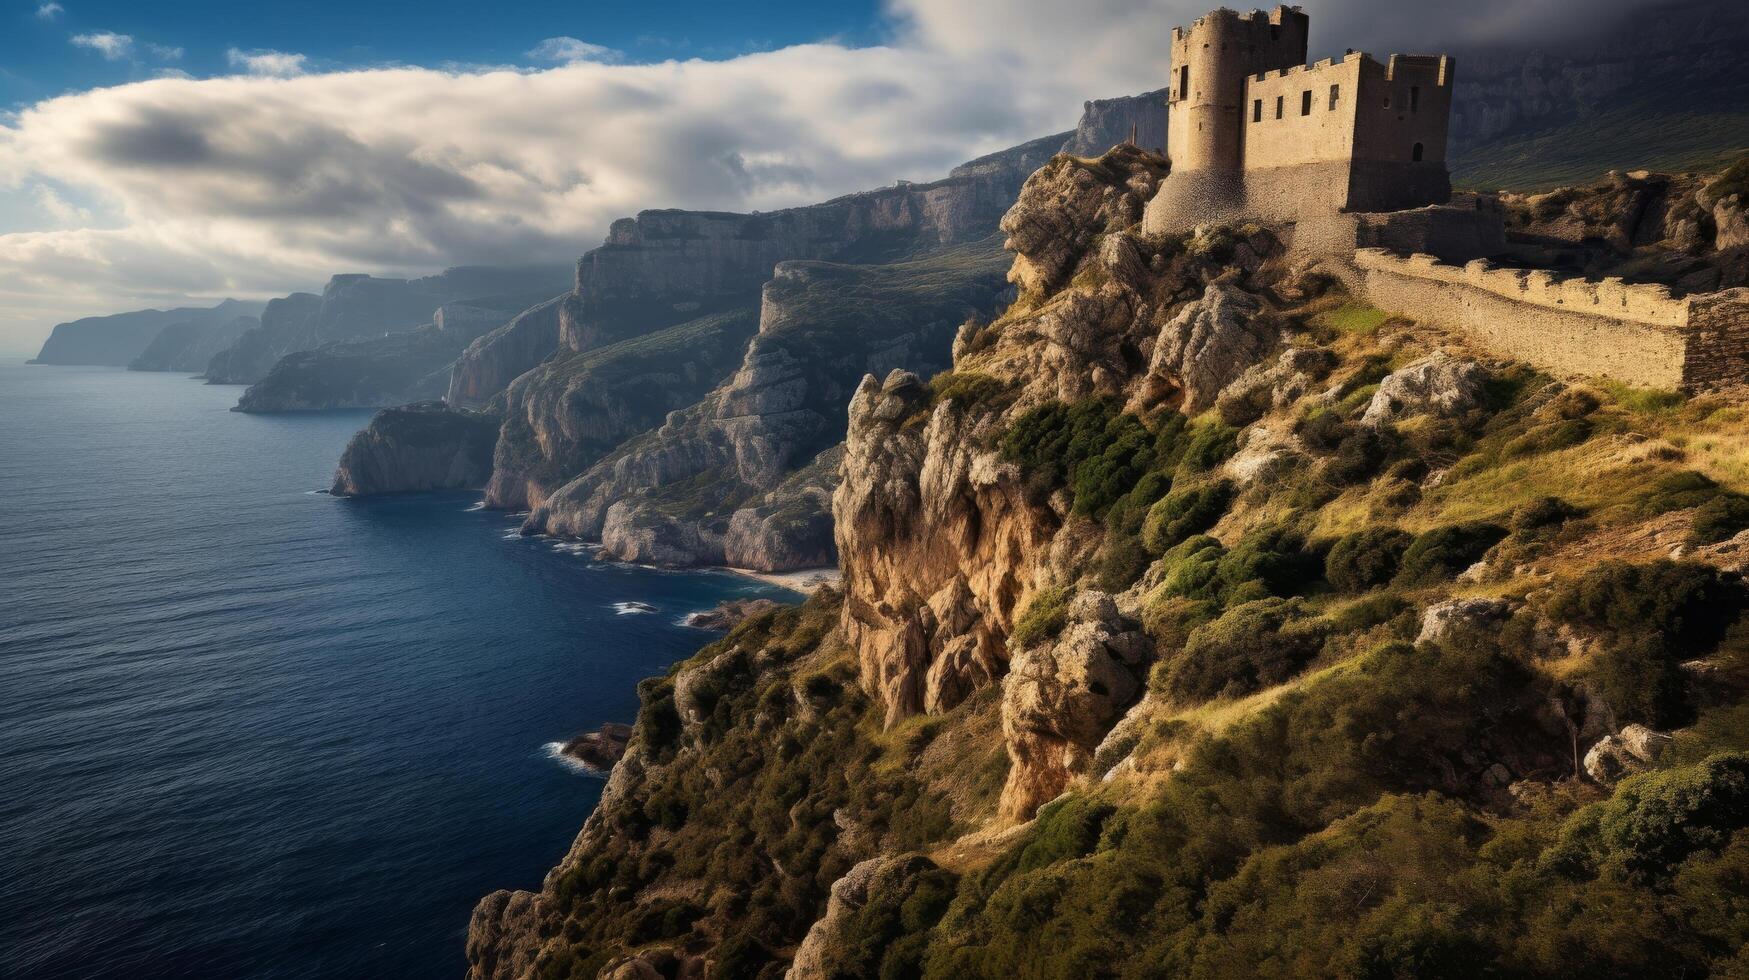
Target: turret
[1211, 60]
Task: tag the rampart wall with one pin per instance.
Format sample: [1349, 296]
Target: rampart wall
[1637, 334]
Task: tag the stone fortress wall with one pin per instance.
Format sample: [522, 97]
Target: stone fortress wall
[1636, 334]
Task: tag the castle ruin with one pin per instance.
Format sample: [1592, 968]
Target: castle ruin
[1346, 159]
[1255, 131]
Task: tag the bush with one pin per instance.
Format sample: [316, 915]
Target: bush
[1192, 568]
[1169, 619]
[1657, 819]
[1183, 513]
[1274, 556]
[1366, 559]
[1539, 515]
[1093, 448]
[1720, 519]
[1043, 618]
[1253, 646]
[1652, 616]
[1444, 552]
[1122, 560]
[1207, 445]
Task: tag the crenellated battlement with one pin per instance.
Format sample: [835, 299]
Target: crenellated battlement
[1649, 304]
[1637, 333]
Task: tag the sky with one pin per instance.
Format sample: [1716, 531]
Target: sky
[171, 153]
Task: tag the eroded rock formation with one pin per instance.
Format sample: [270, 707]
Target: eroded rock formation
[424, 446]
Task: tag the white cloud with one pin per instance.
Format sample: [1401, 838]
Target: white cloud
[59, 208]
[111, 45]
[568, 49]
[164, 52]
[49, 11]
[280, 64]
[253, 186]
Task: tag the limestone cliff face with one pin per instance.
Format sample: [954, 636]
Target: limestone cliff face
[491, 362]
[191, 344]
[695, 491]
[665, 269]
[942, 543]
[567, 413]
[359, 307]
[1107, 122]
[120, 338]
[424, 446]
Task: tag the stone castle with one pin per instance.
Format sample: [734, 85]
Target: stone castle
[1346, 158]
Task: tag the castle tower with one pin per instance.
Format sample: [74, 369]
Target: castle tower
[1210, 62]
[1205, 137]
[1257, 134]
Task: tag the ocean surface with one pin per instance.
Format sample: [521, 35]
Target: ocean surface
[251, 730]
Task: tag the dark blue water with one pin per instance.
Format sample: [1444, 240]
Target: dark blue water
[248, 730]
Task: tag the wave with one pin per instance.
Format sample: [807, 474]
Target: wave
[556, 752]
[633, 608]
[476, 505]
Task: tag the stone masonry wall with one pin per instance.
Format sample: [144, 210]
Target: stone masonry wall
[1636, 334]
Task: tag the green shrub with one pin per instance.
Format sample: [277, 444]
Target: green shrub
[1540, 514]
[1192, 568]
[1652, 617]
[1122, 560]
[1183, 513]
[1366, 559]
[1169, 619]
[1092, 448]
[1445, 551]
[1043, 617]
[1548, 438]
[1656, 819]
[966, 389]
[1208, 444]
[1720, 519]
[1252, 646]
[1275, 557]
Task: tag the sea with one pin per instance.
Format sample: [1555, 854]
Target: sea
[248, 729]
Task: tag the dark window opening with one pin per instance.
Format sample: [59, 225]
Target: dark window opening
[1387, 100]
[1257, 110]
[1278, 104]
[1335, 95]
[1274, 32]
[1414, 97]
[1417, 153]
[1184, 82]
[1306, 102]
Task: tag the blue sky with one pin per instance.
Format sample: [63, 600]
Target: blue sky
[39, 60]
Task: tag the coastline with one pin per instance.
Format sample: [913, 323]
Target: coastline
[805, 581]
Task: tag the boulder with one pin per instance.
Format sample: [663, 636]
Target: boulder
[1439, 385]
[1631, 750]
[730, 614]
[1447, 619]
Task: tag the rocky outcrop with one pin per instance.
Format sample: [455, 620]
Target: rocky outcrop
[397, 368]
[189, 345]
[714, 484]
[1448, 620]
[730, 614]
[1208, 345]
[601, 748]
[1616, 757]
[426, 446]
[119, 338]
[1438, 385]
[1062, 696]
[360, 307]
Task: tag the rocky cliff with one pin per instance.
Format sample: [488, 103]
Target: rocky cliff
[121, 337]
[358, 307]
[396, 368]
[677, 494]
[1107, 122]
[191, 344]
[1196, 599]
[418, 447]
